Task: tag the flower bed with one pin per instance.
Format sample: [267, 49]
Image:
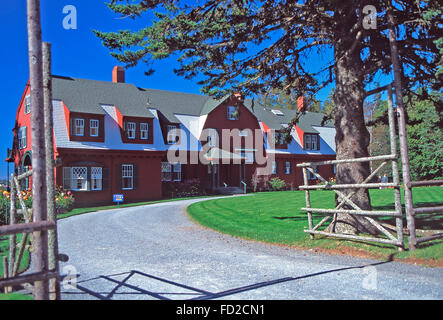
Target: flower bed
[64, 202]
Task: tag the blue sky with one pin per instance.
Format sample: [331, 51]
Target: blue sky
[75, 53]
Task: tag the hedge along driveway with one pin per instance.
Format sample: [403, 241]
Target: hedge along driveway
[275, 217]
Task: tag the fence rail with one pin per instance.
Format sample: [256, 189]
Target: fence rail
[346, 199]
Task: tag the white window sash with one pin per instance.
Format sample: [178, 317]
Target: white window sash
[28, 104]
[79, 178]
[172, 134]
[93, 126]
[131, 129]
[96, 178]
[288, 167]
[144, 131]
[128, 174]
[79, 127]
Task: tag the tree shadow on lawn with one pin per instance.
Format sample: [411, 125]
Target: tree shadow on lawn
[423, 221]
[164, 289]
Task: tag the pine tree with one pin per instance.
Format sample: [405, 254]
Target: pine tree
[255, 47]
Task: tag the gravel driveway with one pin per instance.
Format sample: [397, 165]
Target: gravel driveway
[158, 252]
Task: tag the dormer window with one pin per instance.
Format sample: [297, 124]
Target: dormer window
[232, 113]
[280, 138]
[28, 104]
[79, 127]
[212, 138]
[144, 127]
[172, 136]
[311, 142]
[94, 127]
[130, 130]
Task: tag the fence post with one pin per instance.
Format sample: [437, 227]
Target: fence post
[54, 284]
[38, 145]
[12, 220]
[394, 162]
[402, 130]
[308, 202]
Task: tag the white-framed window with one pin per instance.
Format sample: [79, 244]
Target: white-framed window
[177, 171]
[288, 167]
[130, 130]
[22, 137]
[94, 127]
[79, 127]
[79, 178]
[96, 178]
[279, 137]
[144, 127]
[232, 113]
[171, 171]
[172, 136]
[212, 137]
[312, 176]
[127, 176]
[311, 142]
[28, 103]
[166, 171]
[274, 167]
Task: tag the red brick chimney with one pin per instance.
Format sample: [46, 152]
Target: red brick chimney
[300, 102]
[118, 74]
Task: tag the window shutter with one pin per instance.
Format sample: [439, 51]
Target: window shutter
[318, 142]
[101, 128]
[72, 127]
[134, 176]
[125, 128]
[67, 178]
[118, 176]
[150, 129]
[105, 178]
[88, 179]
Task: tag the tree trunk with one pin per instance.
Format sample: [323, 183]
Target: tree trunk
[352, 137]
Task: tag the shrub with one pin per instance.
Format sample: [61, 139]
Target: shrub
[277, 184]
[187, 188]
[4, 207]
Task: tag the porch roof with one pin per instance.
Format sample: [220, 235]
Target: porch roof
[220, 154]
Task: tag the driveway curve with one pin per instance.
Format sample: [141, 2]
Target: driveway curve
[158, 252]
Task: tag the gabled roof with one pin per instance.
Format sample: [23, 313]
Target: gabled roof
[277, 120]
[86, 96]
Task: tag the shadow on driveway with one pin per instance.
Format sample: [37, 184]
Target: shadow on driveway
[132, 279]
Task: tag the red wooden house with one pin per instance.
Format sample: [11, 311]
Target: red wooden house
[117, 138]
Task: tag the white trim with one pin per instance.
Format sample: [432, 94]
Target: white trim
[144, 130]
[130, 129]
[96, 126]
[28, 104]
[128, 173]
[79, 127]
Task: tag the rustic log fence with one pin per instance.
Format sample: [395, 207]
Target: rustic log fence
[397, 213]
[346, 199]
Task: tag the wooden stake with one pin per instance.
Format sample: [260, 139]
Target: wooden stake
[38, 145]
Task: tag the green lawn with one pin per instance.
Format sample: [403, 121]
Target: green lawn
[275, 217]
[15, 296]
[4, 251]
